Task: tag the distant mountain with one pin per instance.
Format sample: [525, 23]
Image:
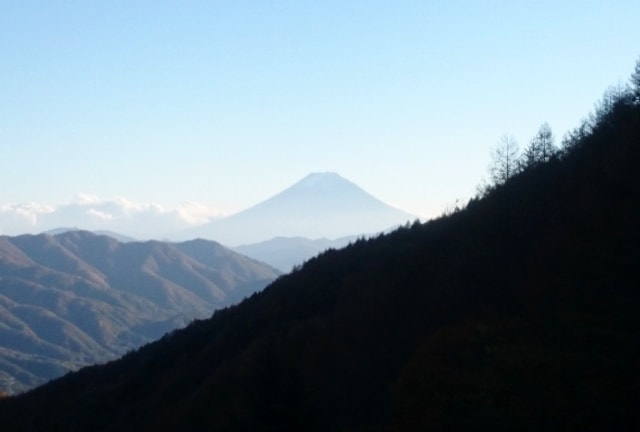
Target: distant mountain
[78, 298]
[60, 230]
[120, 237]
[284, 253]
[321, 205]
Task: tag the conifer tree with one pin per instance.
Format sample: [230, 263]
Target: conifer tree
[635, 83]
[504, 160]
[541, 148]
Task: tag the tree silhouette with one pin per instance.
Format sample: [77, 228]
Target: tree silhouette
[577, 135]
[605, 107]
[504, 160]
[541, 148]
[635, 82]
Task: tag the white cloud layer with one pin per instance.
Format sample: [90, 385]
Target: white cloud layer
[138, 220]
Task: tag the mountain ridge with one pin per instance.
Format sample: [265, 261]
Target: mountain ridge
[76, 298]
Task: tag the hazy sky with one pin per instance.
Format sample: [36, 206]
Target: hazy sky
[225, 103]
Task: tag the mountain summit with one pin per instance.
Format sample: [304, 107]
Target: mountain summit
[319, 205]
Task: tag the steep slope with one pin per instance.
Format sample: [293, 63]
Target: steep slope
[518, 312]
[319, 205]
[77, 298]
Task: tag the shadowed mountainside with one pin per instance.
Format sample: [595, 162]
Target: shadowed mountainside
[517, 312]
[77, 298]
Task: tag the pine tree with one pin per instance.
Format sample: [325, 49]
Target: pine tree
[541, 148]
[504, 163]
[635, 83]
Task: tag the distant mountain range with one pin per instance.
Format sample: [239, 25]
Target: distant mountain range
[78, 298]
[120, 237]
[321, 205]
[284, 253]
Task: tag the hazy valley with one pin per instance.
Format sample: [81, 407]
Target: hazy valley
[285, 253]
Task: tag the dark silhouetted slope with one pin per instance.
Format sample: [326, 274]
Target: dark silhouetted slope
[518, 312]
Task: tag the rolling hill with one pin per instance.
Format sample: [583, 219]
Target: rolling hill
[77, 298]
[517, 312]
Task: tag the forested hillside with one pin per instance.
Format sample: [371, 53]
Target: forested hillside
[516, 312]
[76, 298]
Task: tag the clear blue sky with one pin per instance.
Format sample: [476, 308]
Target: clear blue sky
[228, 102]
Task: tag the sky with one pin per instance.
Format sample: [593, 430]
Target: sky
[196, 109]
